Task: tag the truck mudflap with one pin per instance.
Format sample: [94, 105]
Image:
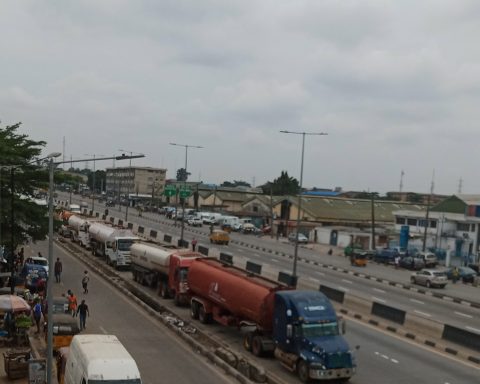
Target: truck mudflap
[317, 373]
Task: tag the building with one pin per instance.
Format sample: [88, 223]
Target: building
[453, 226]
[146, 181]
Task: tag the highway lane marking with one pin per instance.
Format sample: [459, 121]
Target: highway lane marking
[473, 329]
[463, 314]
[422, 313]
[257, 254]
[275, 260]
[320, 273]
[387, 358]
[344, 289]
[394, 361]
[378, 299]
[347, 281]
[103, 330]
[313, 279]
[417, 301]
[379, 290]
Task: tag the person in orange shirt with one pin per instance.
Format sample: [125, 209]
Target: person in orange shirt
[72, 303]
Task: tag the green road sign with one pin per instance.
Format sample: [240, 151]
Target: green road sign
[185, 192]
[170, 190]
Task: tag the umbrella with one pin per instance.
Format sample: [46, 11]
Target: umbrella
[13, 303]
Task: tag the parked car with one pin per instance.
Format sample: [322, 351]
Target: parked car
[466, 274]
[195, 221]
[430, 278]
[413, 263]
[249, 228]
[302, 239]
[475, 267]
[429, 258]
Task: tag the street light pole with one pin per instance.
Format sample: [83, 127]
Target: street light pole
[128, 185]
[52, 166]
[186, 146]
[299, 203]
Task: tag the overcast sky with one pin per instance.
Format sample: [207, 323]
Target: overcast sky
[395, 84]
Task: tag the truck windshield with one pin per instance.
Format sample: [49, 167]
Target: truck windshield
[124, 245]
[322, 329]
[128, 381]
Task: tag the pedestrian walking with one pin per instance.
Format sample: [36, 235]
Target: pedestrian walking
[72, 303]
[83, 312]
[37, 314]
[85, 281]
[194, 244]
[58, 270]
[397, 262]
[455, 275]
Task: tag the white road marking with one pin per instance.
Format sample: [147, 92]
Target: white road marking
[394, 361]
[473, 329]
[417, 301]
[103, 330]
[378, 299]
[275, 260]
[384, 356]
[379, 290]
[320, 273]
[344, 289]
[463, 314]
[347, 281]
[314, 279]
[256, 254]
[422, 313]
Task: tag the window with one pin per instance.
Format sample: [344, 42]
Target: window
[412, 222]
[433, 223]
[400, 220]
[463, 227]
[472, 228]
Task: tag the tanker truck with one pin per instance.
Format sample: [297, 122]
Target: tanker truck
[163, 267]
[79, 230]
[300, 328]
[111, 243]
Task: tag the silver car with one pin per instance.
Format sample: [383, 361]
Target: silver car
[430, 278]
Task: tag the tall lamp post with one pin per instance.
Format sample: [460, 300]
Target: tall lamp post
[299, 204]
[128, 182]
[186, 146]
[52, 166]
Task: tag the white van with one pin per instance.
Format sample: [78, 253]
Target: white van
[100, 359]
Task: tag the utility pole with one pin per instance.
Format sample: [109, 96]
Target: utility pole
[373, 221]
[299, 204]
[424, 246]
[401, 181]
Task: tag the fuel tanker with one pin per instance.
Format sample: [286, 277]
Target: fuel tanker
[163, 267]
[300, 328]
[112, 243]
[78, 226]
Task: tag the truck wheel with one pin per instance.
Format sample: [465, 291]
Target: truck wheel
[164, 290]
[247, 341]
[302, 371]
[203, 316]
[194, 310]
[257, 348]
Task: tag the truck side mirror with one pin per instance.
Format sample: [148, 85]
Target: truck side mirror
[289, 331]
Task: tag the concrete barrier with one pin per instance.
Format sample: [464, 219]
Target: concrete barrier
[423, 326]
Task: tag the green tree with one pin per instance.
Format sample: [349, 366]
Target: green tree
[182, 174]
[283, 185]
[235, 183]
[17, 151]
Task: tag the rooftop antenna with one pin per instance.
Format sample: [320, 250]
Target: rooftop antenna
[401, 180]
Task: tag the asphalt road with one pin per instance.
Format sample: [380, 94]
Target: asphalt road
[161, 357]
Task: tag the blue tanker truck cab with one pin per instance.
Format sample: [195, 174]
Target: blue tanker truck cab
[307, 336]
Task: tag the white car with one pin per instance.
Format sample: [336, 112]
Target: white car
[302, 239]
[430, 278]
[194, 222]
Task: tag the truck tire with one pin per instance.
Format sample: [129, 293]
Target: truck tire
[247, 341]
[302, 371]
[194, 310]
[203, 316]
[257, 348]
